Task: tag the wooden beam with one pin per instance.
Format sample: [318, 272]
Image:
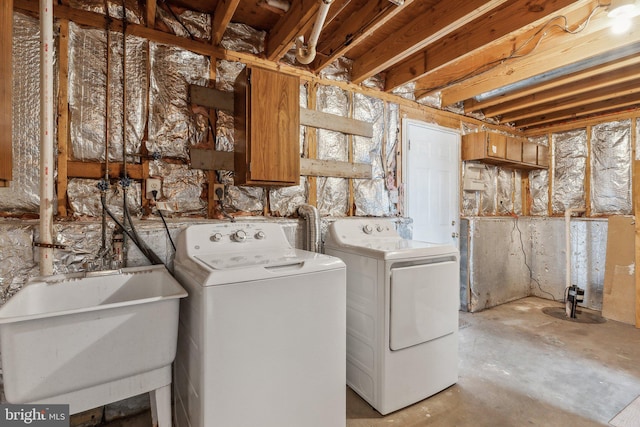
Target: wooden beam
[430, 22]
[631, 62]
[221, 18]
[585, 110]
[298, 20]
[354, 29]
[211, 159]
[332, 122]
[6, 82]
[618, 91]
[151, 13]
[89, 170]
[211, 98]
[490, 28]
[550, 54]
[64, 139]
[335, 168]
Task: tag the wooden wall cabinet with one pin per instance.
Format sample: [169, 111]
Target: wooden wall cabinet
[499, 149]
[267, 128]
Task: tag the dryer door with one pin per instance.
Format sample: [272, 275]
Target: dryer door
[424, 303]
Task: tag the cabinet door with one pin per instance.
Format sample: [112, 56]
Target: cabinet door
[496, 145]
[514, 149]
[274, 141]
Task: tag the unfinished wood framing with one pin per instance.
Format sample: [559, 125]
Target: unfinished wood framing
[210, 97]
[335, 123]
[64, 139]
[221, 19]
[6, 82]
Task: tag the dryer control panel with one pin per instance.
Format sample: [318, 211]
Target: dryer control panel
[363, 229]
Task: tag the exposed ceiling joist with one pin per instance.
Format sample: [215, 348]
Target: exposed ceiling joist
[297, 21]
[487, 29]
[551, 53]
[221, 18]
[428, 24]
[348, 32]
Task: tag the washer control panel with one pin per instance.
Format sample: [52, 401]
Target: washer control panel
[232, 237]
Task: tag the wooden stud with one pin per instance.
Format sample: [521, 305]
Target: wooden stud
[587, 176]
[212, 179]
[6, 82]
[210, 97]
[94, 170]
[298, 20]
[351, 197]
[636, 204]
[64, 139]
[312, 143]
[551, 175]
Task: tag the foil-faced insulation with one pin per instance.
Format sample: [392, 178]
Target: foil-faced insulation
[181, 188]
[23, 194]
[339, 70]
[285, 201]
[226, 74]
[87, 93]
[539, 190]
[82, 242]
[637, 139]
[611, 168]
[332, 192]
[570, 160]
[187, 24]
[173, 127]
[540, 140]
[246, 199]
[406, 91]
[243, 38]
[371, 197]
[433, 100]
[133, 8]
[17, 262]
[488, 197]
[375, 82]
[517, 192]
[504, 191]
[84, 198]
[470, 203]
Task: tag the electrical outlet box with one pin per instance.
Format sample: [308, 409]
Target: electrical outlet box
[218, 191]
[153, 184]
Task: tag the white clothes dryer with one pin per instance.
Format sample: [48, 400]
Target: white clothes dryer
[402, 312]
[262, 332]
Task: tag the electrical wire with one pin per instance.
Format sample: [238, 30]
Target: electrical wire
[514, 53]
[178, 19]
[166, 227]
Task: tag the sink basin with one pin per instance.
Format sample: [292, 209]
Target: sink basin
[90, 340]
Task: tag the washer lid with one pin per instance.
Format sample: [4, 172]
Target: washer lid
[248, 266]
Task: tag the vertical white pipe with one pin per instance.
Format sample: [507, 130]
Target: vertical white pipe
[567, 235]
[46, 136]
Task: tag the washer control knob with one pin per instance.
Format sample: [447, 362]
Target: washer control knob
[216, 237]
[367, 229]
[259, 235]
[239, 236]
[380, 228]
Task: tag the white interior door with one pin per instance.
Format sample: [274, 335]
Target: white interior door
[431, 169]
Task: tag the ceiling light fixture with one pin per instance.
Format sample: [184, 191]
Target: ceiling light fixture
[620, 8]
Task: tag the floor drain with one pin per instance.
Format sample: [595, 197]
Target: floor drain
[582, 316]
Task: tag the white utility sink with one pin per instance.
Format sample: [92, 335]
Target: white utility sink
[88, 340]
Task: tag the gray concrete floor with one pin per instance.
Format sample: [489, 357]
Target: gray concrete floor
[519, 366]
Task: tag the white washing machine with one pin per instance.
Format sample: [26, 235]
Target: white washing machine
[402, 312]
[262, 332]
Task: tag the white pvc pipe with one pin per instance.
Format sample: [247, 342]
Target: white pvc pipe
[306, 54]
[46, 136]
[567, 224]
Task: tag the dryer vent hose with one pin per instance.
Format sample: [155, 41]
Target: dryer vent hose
[311, 216]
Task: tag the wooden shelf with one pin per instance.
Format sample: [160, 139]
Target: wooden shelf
[503, 150]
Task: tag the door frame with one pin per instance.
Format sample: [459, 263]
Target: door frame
[404, 174]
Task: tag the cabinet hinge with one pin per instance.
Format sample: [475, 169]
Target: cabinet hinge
[249, 166]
